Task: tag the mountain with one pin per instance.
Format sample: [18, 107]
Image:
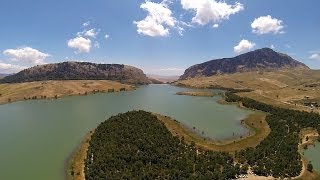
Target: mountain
[260, 59]
[3, 75]
[80, 71]
[162, 78]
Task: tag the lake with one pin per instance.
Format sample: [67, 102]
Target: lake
[37, 137]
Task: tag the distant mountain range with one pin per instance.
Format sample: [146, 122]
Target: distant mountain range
[258, 60]
[80, 71]
[3, 75]
[162, 78]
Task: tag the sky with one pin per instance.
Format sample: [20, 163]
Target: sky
[160, 37]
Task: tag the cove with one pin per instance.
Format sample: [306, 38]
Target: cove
[37, 137]
[313, 154]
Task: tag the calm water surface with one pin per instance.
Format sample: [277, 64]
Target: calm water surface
[36, 137]
[313, 155]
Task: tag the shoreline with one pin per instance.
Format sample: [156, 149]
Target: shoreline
[75, 162]
[228, 145]
[51, 90]
[178, 129]
[74, 168]
[312, 135]
[195, 93]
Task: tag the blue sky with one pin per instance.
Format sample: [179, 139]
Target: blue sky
[161, 37]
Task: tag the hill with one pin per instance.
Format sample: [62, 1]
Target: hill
[284, 88]
[80, 71]
[56, 89]
[163, 79]
[261, 59]
[137, 145]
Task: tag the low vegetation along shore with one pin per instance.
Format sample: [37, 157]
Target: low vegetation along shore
[56, 89]
[75, 164]
[202, 94]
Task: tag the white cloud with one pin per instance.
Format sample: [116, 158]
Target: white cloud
[215, 26]
[244, 45]
[10, 68]
[86, 24]
[81, 44]
[267, 24]
[272, 46]
[26, 54]
[158, 21]
[207, 11]
[315, 56]
[91, 33]
[106, 36]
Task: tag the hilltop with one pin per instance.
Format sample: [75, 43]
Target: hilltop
[79, 71]
[264, 59]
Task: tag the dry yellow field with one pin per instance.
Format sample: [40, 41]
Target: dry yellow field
[282, 88]
[53, 89]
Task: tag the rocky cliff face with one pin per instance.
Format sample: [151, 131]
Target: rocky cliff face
[261, 59]
[80, 71]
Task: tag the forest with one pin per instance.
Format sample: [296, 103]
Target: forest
[277, 155]
[136, 145]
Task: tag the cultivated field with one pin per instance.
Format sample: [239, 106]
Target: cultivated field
[56, 89]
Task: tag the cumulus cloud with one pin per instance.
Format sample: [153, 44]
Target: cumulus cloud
[267, 24]
[10, 68]
[158, 21]
[106, 36]
[315, 56]
[207, 11]
[85, 40]
[81, 44]
[26, 54]
[92, 33]
[243, 46]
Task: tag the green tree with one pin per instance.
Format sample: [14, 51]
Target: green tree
[310, 167]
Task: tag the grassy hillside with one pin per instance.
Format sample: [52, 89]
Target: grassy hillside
[286, 88]
[55, 89]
